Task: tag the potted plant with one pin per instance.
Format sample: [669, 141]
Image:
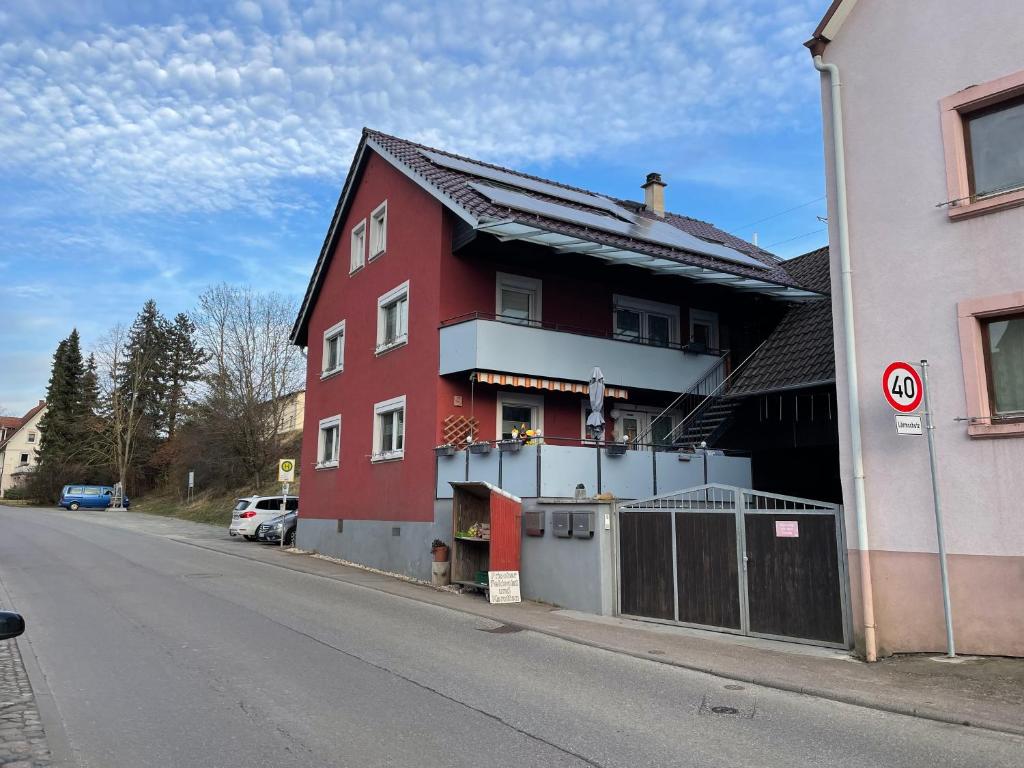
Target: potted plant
[481, 447]
[444, 450]
[506, 446]
[616, 449]
[439, 550]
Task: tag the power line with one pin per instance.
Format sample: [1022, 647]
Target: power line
[780, 213]
[798, 237]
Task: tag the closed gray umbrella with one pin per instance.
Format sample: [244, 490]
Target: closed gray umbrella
[595, 421]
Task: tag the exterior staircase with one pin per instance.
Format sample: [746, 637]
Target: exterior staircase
[710, 425]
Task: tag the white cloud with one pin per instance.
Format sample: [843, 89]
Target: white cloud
[214, 113]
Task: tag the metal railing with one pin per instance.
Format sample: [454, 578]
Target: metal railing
[698, 392]
[690, 347]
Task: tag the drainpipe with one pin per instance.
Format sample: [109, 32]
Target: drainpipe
[846, 276]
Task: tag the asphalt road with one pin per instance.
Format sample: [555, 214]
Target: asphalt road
[158, 653]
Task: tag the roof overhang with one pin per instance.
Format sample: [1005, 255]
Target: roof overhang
[510, 229]
[830, 25]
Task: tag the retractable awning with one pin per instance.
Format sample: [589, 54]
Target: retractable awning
[554, 385]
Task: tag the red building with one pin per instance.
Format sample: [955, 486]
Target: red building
[454, 300]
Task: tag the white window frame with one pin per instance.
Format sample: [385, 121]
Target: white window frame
[335, 331]
[705, 317]
[646, 307]
[379, 230]
[330, 421]
[358, 245]
[395, 294]
[531, 285]
[535, 402]
[31, 437]
[384, 408]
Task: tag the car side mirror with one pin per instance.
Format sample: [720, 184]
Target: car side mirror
[11, 625]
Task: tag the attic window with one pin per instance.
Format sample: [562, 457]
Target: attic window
[379, 230]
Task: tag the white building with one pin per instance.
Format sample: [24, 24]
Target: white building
[18, 449]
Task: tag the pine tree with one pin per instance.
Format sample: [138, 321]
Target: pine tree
[185, 359]
[141, 377]
[60, 425]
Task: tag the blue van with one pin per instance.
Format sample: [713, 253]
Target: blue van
[90, 496]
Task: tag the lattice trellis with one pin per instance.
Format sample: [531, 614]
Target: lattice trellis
[455, 429]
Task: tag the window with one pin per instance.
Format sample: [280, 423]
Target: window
[334, 351]
[393, 318]
[983, 134]
[516, 411]
[992, 348]
[647, 322]
[389, 429]
[31, 437]
[24, 458]
[329, 443]
[379, 230]
[704, 328]
[518, 299]
[358, 246]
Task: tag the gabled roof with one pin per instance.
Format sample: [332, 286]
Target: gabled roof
[830, 24]
[800, 352]
[603, 227]
[21, 423]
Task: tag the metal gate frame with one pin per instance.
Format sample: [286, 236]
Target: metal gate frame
[722, 499]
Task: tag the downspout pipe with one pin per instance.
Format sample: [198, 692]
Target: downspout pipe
[850, 353]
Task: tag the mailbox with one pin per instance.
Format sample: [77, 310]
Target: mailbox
[561, 524]
[583, 525]
[533, 523]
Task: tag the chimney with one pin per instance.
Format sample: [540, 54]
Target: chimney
[654, 193]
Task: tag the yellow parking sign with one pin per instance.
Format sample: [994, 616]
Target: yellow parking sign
[286, 471]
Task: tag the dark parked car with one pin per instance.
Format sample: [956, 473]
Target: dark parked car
[11, 625]
[282, 525]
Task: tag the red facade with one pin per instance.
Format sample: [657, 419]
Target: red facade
[445, 283]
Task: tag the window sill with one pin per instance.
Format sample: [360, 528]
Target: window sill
[331, 373]
[357, 269]
[327, 465]
[384, 348]
[1007, 428]
[1000, 202]
[380, 458]
[377, 255]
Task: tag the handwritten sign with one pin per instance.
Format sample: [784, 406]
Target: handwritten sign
[503, 586]
[787, 529]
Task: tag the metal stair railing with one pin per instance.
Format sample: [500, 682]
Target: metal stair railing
[695, 416]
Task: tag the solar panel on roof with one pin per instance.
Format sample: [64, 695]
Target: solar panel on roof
[514, 180]
[638, 227]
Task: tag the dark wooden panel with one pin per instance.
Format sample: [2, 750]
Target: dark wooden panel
[645, 553]
[709, 590]
[793, 583]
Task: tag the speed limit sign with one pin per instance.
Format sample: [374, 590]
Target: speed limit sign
[902, 386]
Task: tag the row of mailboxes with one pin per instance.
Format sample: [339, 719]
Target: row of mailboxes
[564, 525]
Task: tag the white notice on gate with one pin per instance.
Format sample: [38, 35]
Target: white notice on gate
[503, 586]
[787, 529]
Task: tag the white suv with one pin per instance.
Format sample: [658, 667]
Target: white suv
[250, 512]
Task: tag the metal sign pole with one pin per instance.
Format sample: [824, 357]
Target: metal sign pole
[943, 570]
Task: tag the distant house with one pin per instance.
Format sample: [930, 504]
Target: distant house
[932, 106]
[18, 447]
[454, 301]
[293, 413]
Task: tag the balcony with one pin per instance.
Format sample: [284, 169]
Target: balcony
[479, 342]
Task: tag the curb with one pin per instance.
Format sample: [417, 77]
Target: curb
[867, 702]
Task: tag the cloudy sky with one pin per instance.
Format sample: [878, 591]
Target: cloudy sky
[148, 150]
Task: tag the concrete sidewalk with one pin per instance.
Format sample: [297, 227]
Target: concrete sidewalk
[985, 692]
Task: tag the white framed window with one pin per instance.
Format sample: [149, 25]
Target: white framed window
[379, 230]
[389, 430]
[516, 411]
[517, 298]
[393, 318]
[647, 322]
[704, 328]
[329, 443]
[31, 437]
[333, 359]
[358, 246]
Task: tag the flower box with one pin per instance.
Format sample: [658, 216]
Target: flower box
[509, 446]
[616, 449]
[444, 450]
[480, 448]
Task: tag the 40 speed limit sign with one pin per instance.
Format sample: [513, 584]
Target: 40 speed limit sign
[902, 386]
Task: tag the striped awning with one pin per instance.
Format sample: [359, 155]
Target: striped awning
[555, 385]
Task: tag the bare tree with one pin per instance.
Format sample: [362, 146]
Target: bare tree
[251, 370]
[121, 378]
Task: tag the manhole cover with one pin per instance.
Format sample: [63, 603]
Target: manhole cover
[657, 653]
[725, 710]
[504, 629]
[734, 688]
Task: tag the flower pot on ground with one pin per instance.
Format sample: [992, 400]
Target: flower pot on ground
[440, 551]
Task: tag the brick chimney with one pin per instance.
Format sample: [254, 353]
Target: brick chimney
[654, 193]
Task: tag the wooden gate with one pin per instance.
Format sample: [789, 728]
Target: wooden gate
[736, 560]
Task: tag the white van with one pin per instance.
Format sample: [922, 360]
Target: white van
[250, 512]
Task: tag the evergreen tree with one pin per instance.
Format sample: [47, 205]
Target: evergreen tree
[141, 377]
[185, 359]
[60, 425]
